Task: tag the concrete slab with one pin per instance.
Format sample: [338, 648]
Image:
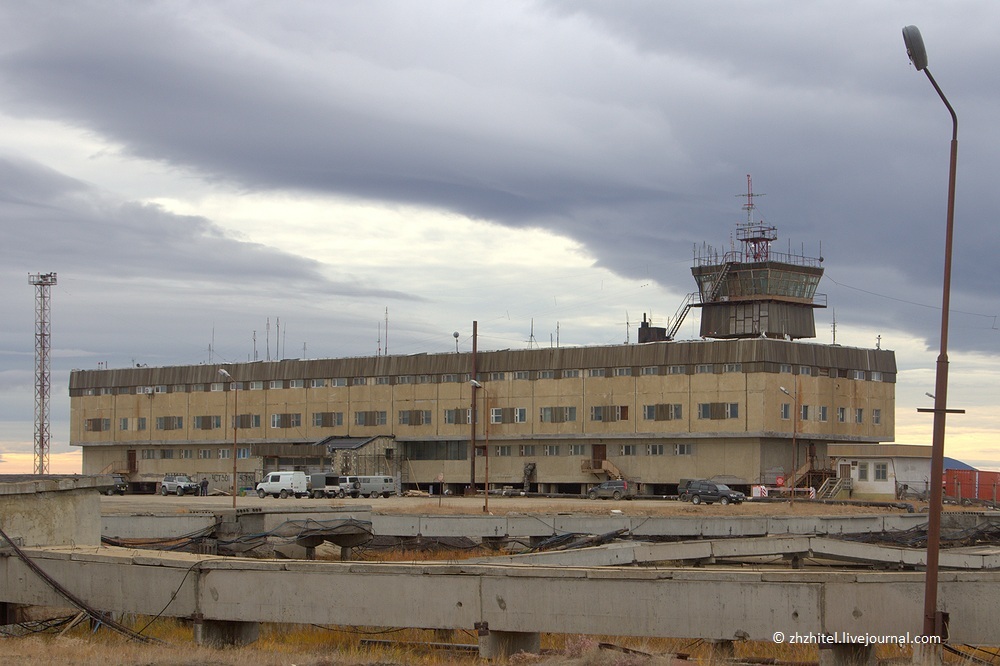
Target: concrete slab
[156, 526]
[52, 512]
[718, 604]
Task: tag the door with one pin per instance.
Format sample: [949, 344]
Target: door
[599, 455]
[133, 466]
[845, 471]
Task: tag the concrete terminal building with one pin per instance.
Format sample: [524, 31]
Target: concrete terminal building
[561, 418]
[727, 407]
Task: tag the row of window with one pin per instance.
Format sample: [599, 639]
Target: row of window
[242, 453]
[498, 416]
[703, 368]
[457, 450]
[502, 450]
[531, 450]
[821, 414]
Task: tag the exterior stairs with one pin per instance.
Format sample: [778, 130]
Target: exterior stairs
[602, 467]
[832, 487]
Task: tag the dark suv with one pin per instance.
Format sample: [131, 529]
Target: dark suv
[708, 492]
[119, 485]
[613, 489]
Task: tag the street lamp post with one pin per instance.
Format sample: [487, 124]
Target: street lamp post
[486, 428]
[935, 624]
[795, 422]
[236, 419]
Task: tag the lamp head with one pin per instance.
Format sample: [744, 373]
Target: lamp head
[474, 384]
[225, 373]
[784, 390]
[915, 47]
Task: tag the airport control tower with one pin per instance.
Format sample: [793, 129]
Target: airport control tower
[753, 291]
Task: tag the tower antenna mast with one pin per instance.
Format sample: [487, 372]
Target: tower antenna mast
[755, 236]
[42, 282]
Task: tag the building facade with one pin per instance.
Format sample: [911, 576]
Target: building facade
[751, 403]
[556, 420]
[886, 472]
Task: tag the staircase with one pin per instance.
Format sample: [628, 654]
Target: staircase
[689, 301]
[602, 467]
[800, 474]
[720, 280]
[679, 316]
[832, 487]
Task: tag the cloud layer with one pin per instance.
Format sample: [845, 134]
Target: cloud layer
[192, 167]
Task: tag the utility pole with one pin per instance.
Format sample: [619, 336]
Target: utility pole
[42, 282]
[472, 414]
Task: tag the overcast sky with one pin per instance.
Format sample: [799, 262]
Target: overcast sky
[195, 171]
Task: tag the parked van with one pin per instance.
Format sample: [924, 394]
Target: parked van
[349, 485]
[324, 485]
[283, 484]
[373, 486]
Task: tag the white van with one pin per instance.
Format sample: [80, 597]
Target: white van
[374, 486]
[283, 484]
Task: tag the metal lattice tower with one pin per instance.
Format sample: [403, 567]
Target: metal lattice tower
[42, 282]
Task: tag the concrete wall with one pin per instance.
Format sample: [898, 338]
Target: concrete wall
[691, 603]
[53, 511]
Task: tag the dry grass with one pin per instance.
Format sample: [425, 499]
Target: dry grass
[302, 645]
[277, 645]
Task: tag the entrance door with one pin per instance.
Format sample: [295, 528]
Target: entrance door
[133, 466]
[599, 455]
[845, 471]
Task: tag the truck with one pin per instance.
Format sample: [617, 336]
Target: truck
[324, 484]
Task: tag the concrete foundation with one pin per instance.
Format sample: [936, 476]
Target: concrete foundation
[504, 644]
[52, 511]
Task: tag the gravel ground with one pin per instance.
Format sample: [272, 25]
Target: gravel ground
[498, 506]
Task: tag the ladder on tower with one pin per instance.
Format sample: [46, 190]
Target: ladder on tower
[689, 301]
[719, 280]
[680, 314]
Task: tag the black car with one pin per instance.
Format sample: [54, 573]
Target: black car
[613, 489]
[118, 487]
[708, 492]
